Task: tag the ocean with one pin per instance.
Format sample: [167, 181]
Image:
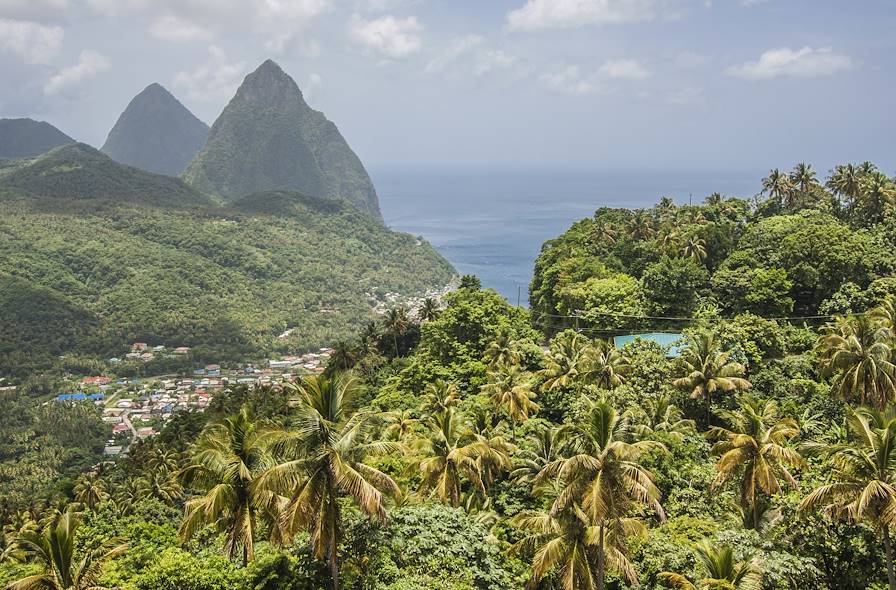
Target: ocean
[493, 223]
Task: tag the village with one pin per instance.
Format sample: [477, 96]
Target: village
[138, 408]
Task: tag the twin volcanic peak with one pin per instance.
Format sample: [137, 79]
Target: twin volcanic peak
[26, 138]
[268, 138]
[156, 133]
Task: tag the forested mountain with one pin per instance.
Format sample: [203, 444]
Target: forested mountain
[25, 138]
[268, 138]
[156, 133]
[95, 255]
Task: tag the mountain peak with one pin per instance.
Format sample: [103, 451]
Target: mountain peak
[156, 133]
[269, 139]
[26, 138]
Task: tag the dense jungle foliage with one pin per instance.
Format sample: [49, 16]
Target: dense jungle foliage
[478, 446]
[95, 255]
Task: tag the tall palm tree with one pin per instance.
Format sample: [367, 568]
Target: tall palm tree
[227, 458]
[857, 351]
[429, 310]
[399, 424]
[722, 571]
[845, 180]
[343, 358]
[755, 450]
[320, 458]
[778, 186]
[161, 485]
[705, 370]
[502, 350]
[804, 178]
[451, 454]
[863, 486]
[396, 324]
[640, 227]
[90, 491]
[599, 482]
[439, 395]
[61, 565]
[510, 388]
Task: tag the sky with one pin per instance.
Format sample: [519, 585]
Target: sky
[578, 84]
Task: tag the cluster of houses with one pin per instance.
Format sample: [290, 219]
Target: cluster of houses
[412, 303]
[138, 408]
[143, 352]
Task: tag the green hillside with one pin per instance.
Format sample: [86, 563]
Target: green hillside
[120, 255]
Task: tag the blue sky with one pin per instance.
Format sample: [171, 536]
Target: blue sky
[600, 84]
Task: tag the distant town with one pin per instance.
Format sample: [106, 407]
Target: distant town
[137, 408]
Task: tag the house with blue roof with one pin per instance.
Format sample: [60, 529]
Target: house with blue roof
[672, 342]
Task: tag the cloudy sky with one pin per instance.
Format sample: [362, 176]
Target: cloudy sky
[658, 84]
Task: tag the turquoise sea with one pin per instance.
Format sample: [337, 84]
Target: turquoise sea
[493, 223]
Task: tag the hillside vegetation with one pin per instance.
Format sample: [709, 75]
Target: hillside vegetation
[480, 446]
[115, 255]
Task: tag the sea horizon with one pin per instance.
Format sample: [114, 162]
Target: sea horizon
[493, 222]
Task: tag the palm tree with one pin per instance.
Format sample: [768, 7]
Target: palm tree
[544, 448]
[600, 481]
[162, 486]
[722, 571]
[370, 335]
[603, 366]
[62, 567]
[857, 351]
[321, 458]
[399, 424]
[878, 197]
[439, 395]
[502, 350]
[804, 178]
[778, 186]
[397, 323]
[660, 415]
[755, 449]
[227, 458]
[511, 389]
[429, 310]
[706, 370]
[863, 486]
[845, 180]
[90, 491]
[640, 227]
[563, 362]
[695, 249]
[451, 453]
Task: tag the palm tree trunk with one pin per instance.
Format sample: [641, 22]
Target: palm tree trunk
[708, 411]
[395, 341]
[888, 550]
[334, 534]
[755, 514]
[600, 560]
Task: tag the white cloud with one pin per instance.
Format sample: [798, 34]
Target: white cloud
[175, 29]
[391, 37]
[555, 14]
[624, 69]
[35, 43]
[567, 79]
[804, 63]
[33, 9]
[278, 21]
[493, 59]
[215, 80]
[458, 48]
[90, 63]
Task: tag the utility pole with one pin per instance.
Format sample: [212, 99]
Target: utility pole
[518, 291]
